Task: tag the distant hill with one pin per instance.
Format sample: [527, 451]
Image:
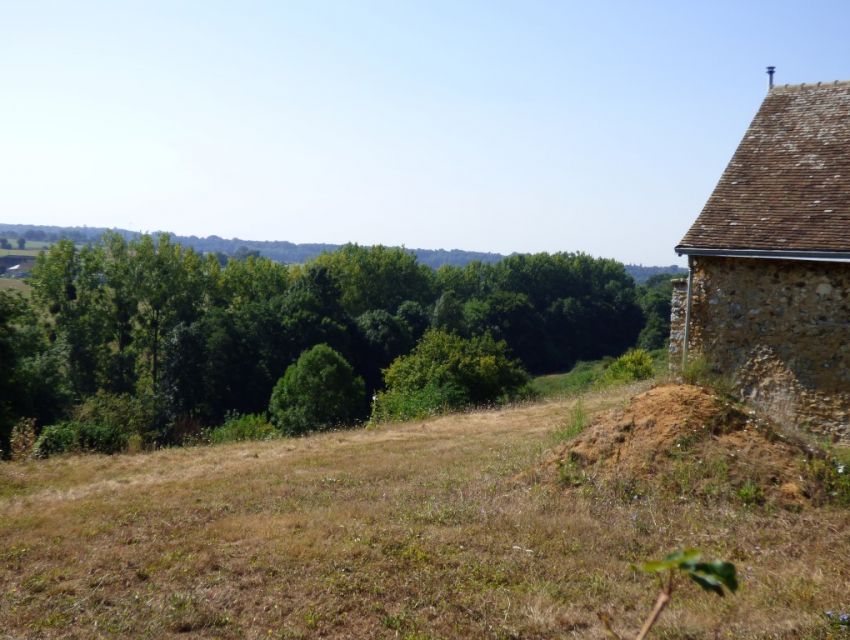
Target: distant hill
[278, 250]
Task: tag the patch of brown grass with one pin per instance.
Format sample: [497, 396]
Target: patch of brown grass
[418, 530]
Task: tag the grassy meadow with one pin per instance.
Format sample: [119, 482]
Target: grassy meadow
[23, 253]
[584, 376]
[431, 529]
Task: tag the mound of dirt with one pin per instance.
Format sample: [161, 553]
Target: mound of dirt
[688, 441]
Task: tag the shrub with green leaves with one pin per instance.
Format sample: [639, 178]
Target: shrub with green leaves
[445, 372]
[432, 399]
[75, 436]
[635, 364]
[101, 438]
[122, 415]
[103, 423]
[56, 439]
[238, 428]
[319, 391]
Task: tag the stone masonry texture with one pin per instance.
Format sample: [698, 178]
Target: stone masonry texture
[780, 329]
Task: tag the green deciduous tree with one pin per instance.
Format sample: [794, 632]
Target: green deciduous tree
[170, 283]
[319, 391]
[448, 313]
[415, 316]
[655, 297]
[377, 277]
[32, 374]
[445, 371]
[552, 309]
[252, 279]
[69, 284]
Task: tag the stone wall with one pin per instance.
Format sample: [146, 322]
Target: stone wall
[781, 330]
[677, 323]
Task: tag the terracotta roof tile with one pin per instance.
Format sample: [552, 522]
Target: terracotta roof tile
[788, 185]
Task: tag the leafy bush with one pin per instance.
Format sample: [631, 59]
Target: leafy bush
[238, 428]
[319, 391]
[635, 364]
[77, 436]
[55, 439]
[103, 423]
[432, 399]
[112, 418]
[101, 438]
[445, 372]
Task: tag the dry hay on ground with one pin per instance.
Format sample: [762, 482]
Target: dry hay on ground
[413, 530]
[688, 440]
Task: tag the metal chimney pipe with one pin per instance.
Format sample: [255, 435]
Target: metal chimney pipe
[770, 72]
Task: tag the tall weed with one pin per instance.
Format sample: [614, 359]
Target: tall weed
[700, 372]
[575, 423]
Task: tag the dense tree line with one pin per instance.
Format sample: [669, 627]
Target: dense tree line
[149, 327]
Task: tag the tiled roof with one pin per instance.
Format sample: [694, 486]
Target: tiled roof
[787, 188]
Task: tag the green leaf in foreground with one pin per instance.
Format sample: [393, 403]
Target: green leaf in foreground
[711, 576]
[675, 560]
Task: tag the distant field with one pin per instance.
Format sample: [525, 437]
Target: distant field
[37, 244]
[14, 284]
[28, 253]
[584, 375]
[429, 530]
[578, 379]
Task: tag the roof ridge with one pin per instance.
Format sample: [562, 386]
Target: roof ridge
[810, 85]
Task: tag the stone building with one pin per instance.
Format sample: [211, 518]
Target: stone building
[767, 300]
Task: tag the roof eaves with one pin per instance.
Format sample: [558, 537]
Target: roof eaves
[780, 254]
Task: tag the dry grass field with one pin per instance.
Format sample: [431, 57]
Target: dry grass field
[431, 529]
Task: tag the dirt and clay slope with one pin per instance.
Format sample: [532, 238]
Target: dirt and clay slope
[691, 441]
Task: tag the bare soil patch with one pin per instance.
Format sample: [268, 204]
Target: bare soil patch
[690, 441]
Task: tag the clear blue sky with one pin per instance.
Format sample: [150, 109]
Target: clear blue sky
[499, 126]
